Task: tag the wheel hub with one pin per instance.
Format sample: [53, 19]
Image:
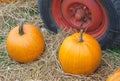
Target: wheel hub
[78, 15]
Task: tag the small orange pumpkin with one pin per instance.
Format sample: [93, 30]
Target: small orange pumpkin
[25, 43]
[115, 76]
[80, 56]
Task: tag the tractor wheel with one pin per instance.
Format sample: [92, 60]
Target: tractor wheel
[99, 18]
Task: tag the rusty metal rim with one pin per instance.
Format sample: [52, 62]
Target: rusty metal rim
[80, 14]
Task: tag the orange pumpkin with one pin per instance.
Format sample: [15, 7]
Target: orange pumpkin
[80, 56]
[7, 0]
[115, 76]
[25, 43]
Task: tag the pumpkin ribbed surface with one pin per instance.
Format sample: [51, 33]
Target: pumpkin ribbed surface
[80, 57]
[27, 47]
[115, 76]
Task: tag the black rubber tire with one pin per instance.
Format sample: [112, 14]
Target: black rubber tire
[116, 4]
[112, 7]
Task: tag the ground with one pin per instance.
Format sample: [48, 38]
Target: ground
[47, 67]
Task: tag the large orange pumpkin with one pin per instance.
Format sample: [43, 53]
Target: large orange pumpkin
[115, 76]
[25, 43]
[80, 56]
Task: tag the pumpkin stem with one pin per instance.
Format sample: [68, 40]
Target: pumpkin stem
[81, 36]
[21, 32]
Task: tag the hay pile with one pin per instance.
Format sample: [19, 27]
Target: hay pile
[47, 67]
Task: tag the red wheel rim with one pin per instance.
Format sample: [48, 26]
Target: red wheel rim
[80, 14]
